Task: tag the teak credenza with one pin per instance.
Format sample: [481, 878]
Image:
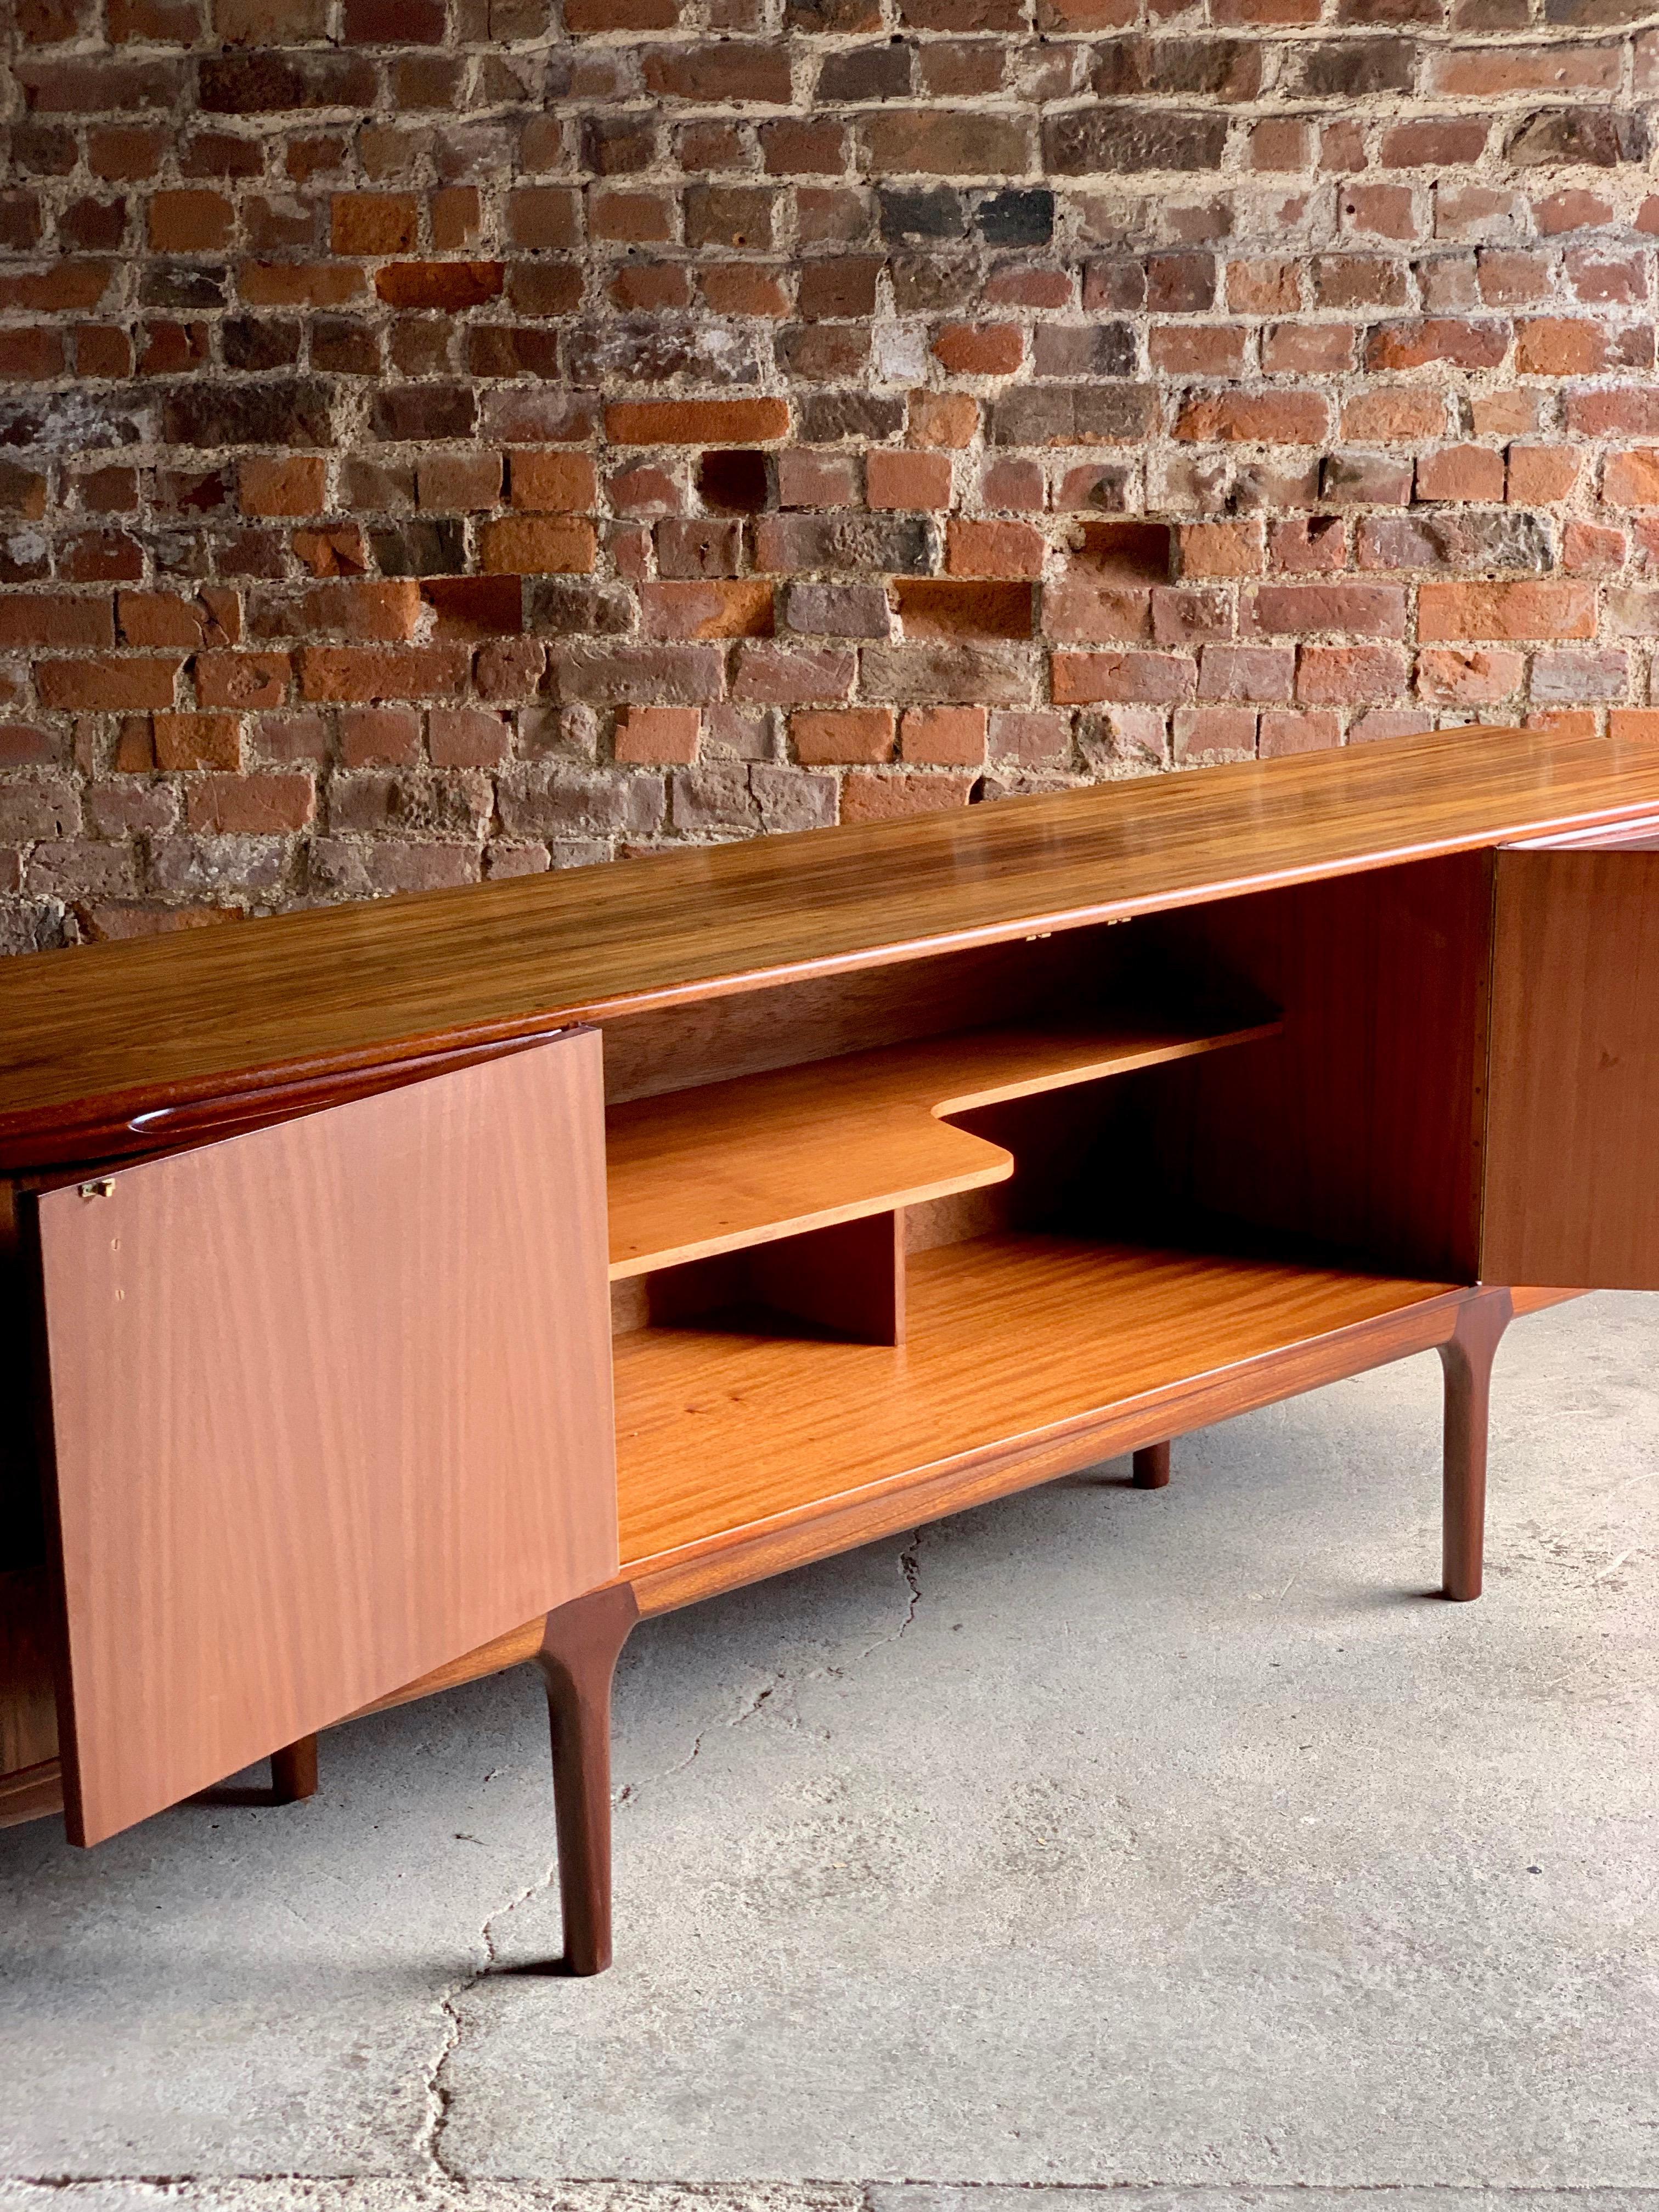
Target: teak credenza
[403, 1291]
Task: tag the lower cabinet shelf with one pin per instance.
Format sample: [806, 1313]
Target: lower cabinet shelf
[1017, 1342]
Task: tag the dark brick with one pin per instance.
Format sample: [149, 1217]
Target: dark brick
[1086, 349]
[1349, 69]
[1073, 415]
[1214, 68]
[617, 145]
[255, 342]
[892, 545]
[423, 411]
[837, 289]
[827, 418]
[343, 348]
[1124, 141]
[1021, 217]
[269, 84]
[567, 606]
[294, 412]
[865, 73]
[1598, 137]
[182, 284]
[926, 211]
[419, 548]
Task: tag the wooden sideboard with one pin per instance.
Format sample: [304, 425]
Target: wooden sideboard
[938, 1157]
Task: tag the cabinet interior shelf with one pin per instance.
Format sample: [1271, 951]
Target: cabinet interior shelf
[728, 1165]
[1013, 1337]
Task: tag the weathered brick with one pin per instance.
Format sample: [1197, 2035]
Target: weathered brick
[1348, 609]
[825, 738]
[1505, 610]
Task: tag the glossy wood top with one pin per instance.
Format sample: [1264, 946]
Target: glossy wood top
[109, 1029]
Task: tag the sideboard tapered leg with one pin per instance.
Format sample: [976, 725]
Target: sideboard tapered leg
[293, 1771]
[1152, 1467]
[580, 1646]
[1467, 1358]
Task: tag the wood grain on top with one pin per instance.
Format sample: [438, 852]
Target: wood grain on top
[730, 1165]
[192, 1015]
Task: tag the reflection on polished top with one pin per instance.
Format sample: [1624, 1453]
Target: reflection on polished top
[182, 1018]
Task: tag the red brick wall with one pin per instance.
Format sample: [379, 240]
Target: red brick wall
[439, 441]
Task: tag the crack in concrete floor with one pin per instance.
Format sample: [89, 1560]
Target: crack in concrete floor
[439, 2096]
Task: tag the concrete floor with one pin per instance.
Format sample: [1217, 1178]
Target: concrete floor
[1177, 1843]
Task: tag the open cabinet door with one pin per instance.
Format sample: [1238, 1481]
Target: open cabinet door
[326, 1406]
[1572, 1184]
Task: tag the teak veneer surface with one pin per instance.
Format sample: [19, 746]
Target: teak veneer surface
[1570, 1189]
[329, 1405]
[730, 1165]
[1011, 1339]
[91, 1035]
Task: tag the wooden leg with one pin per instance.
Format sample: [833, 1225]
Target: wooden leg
[293, 1771]
[1467, 1358]
[579, 1649]
[1152, 1467]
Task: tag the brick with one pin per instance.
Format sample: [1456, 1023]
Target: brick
[1460, 345]
[1345, 675]
[657, 735]
[447, 482]
[295, 485]
[788, 676]
[380, 737]
[1214, 733]
[1149, 678]
[451, 287]
[1306, 730]
[1555, 346]
[1291, 418]
[240, 680]
[696, 422]
[1468, 675]
[930, 607]
[1505, 610]
[352, 674]
[877, 795]
[1395, 413]
[827, 738]
[537, 545]
[197, 741]
[371, 610]
[979, 349]
[251, 806]
[162, 618]
[898, 479]
[31, 619]
[994, 549]
[738, 608]
[1460, 472]
[1247, 671]
[944, 737]
[1352, 610]
[1081, 609]
[474, 606]
[1220, 548]
[189, 222]
[553, 484]
[125, 683]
